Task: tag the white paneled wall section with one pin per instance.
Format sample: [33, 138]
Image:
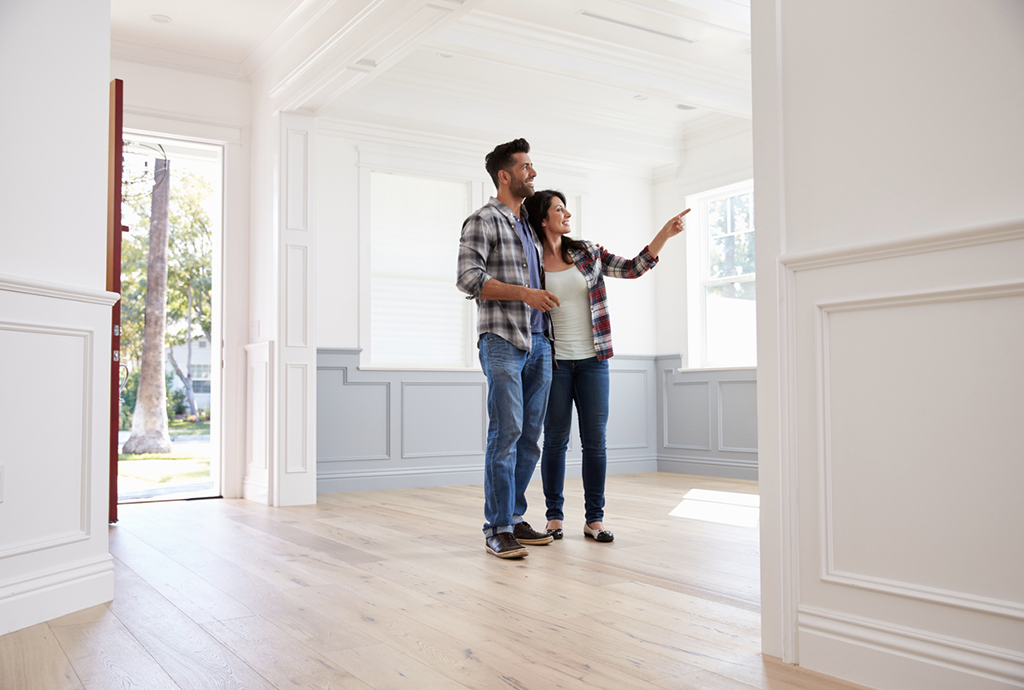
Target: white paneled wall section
[708, 420]
[381, 429]
[55, 364]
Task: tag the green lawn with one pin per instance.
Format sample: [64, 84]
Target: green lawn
[162, 468]
[180, 427]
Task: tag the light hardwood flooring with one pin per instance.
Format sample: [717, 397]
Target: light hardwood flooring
[394, 590]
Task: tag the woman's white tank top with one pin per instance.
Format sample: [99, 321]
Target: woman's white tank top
[572, 321]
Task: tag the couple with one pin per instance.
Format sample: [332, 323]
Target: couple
[534, 284]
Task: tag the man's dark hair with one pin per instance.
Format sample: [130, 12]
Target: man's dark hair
[537, 207]
[502, 157]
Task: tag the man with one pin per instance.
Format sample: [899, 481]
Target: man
[500, 266]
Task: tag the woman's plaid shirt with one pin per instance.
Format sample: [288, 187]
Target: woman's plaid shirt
[595, 263]
[490, 248]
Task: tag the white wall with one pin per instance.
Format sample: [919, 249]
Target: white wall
[891, 310]
[55, 354]
[616, 213]
[54, 77]
[716, 151]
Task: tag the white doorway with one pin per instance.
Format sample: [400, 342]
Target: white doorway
[192, 360]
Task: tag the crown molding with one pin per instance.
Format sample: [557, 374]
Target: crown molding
[482, 34]
[176, 60]
[465, 149]
[714, 127]
[454, 88]
[365, 46]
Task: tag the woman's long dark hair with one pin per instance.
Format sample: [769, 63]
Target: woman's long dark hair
[537, 206]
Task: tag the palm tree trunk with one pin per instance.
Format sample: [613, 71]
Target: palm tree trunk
[149, 423]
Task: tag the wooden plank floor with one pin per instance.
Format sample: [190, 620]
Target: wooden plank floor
[393, 590]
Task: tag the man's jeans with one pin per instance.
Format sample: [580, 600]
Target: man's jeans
[517, 400]
[585, 383]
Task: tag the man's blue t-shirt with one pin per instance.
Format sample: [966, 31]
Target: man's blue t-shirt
[538, 319]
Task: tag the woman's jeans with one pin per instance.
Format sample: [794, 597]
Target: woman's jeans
[517, 398]
[585, 383]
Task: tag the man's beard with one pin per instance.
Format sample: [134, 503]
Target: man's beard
[520, 189]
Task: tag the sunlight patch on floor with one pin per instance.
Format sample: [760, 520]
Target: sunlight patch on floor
[723, 507]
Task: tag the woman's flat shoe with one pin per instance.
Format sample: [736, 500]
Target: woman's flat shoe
[598, 534]
[556, 533]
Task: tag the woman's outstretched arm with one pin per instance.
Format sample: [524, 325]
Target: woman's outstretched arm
[672, 228]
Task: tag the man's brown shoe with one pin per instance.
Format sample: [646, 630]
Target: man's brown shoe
[504, 545]
[527, 535]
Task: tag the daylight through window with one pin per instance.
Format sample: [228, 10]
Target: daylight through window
[722, 306]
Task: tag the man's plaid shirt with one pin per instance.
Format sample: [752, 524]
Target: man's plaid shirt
[595, 263]
[490, 248]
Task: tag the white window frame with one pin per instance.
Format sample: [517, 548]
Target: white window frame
[403, 161]
[699, 278]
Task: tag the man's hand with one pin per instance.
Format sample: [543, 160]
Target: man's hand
[542, 300]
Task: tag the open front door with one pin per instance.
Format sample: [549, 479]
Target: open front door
[114, 230]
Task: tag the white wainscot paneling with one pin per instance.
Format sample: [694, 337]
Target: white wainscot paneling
[922, 404]
[443, 419]
[737, 416]
[297, 295]
[904, 436]
[297, 176]
[687, 414]
[628, 409]
[259, 429]
[54, 464]
[353, 418]
[296, 386]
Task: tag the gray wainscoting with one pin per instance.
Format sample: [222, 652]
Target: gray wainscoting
[707, 422]
[383, 429]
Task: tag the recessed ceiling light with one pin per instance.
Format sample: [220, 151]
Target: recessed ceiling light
[683, 106]
[445, 55]
[160, 18]
[639, 97]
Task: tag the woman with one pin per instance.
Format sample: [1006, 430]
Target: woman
[574, 272]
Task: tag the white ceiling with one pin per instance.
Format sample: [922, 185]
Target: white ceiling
[582, 74]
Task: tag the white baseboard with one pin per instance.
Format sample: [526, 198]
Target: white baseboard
[404, 478]
[874, 653]
[256, 492]
[448, 475]
[707, 467]
[48, 595]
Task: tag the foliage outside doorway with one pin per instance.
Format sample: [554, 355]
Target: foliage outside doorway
[165, 449]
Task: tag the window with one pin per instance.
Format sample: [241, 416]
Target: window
[418, 318]
[721, 289]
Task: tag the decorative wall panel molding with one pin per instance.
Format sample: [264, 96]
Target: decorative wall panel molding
[629, 409]
[259, 422]
[296, 391]
[906, 247]
[61, 461]
[737, 415]
[40, 288]
[54, 373]
[297, 295]
[980, 326]
[354, 417]
[435, 432]
[695, 398]
[297, 180]
[443, 419]
[898, 384]
[708, 420]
